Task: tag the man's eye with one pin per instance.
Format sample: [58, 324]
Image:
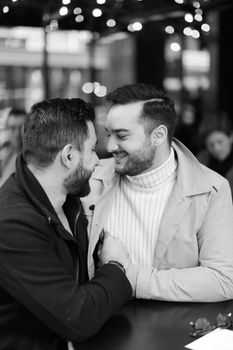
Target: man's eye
[122, 137]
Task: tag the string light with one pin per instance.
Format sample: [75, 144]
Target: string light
[97, 12]
[133, 27]
[77, 10]
[169, 29]
[188, 17]
[187, 31]
[111, 23]
[175, 46]
[5, 9]
[196, 4]
[100, 91]
[63, 11]
[205, 27]
[88, 87]
[137, 26]
[198, 17]
[54, 24]
[199, 11]
[79, 18]
[195, 34]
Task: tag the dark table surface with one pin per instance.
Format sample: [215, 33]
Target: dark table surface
[153, 325]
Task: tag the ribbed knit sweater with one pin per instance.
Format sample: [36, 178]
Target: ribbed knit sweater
[138, 207]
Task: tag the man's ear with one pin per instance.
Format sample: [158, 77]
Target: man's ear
[159, 135]
[67, 155]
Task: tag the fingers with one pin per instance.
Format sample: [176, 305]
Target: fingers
[102, 235]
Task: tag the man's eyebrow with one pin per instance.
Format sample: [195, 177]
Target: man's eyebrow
[117, 130]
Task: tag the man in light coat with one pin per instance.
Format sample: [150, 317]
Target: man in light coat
[173, 214]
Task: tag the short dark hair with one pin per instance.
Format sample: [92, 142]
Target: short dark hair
[158, 107]
[52, 124]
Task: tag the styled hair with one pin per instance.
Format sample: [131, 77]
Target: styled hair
[158, 108]
[52, 124]
[216, 121]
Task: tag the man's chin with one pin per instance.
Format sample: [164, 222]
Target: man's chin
[119, 169]
[82, 191]
[85, 192]
[120, 166]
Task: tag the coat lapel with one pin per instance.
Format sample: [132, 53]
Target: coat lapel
[101, 211]
[175, 210]
[190, 181]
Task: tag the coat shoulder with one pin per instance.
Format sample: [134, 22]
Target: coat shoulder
[215, 179]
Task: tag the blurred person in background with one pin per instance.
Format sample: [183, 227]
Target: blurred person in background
[218, 138]
[10, 141]
[187, 128]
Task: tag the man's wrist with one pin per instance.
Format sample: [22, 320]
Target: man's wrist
[118, 264]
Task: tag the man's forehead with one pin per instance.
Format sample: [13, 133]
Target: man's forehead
[137, 105]
[123, 116]
[129, 109]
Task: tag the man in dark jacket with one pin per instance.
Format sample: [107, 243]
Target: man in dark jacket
[46, 299]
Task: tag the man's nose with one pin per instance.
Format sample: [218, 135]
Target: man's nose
[217, 147]
[112, 146]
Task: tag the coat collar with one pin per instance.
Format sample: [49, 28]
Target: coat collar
[38, 197]
[33, 188]
[190, 175]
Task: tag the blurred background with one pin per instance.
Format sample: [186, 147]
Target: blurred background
[86, 48]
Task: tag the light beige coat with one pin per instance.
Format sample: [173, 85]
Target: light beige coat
[193, 256]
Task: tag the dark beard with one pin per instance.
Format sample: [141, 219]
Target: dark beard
[140, 161]
[77, 183]
[135, 167]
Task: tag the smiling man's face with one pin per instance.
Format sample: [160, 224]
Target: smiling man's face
[128, 142]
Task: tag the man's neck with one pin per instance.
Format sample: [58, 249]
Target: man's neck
[53, 189]
[160, 158]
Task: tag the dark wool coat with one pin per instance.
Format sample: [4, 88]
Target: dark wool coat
[42, 304]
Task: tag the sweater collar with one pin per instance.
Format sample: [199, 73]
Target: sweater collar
[156, 176]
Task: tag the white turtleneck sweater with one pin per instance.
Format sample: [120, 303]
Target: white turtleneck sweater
[137, 210]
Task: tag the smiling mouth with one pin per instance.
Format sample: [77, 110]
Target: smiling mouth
[119, 156]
